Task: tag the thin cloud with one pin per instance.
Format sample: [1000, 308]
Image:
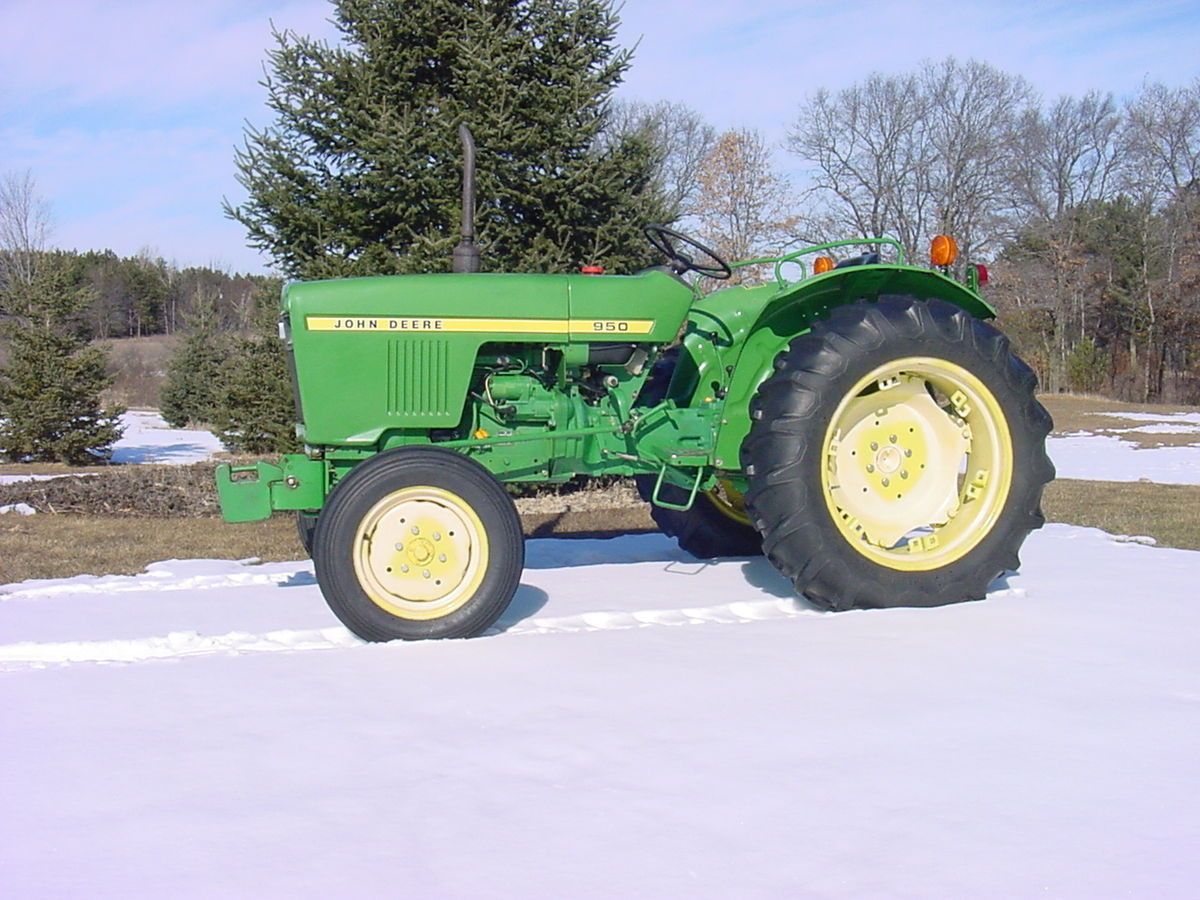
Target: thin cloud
[146, 54]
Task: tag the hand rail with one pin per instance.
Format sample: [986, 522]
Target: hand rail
[794, 257]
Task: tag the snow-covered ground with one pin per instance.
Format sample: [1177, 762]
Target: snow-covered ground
[1103, 457]
[640, 726]
[148, 439]
[1110, 457]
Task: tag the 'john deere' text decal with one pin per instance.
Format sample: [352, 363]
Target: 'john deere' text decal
[497, 326]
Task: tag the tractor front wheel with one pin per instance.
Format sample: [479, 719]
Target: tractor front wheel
[306, 527]
[418, 543]
[896, 457]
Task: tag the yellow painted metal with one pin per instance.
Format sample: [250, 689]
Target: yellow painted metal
[401, 324]
[420, 553]
[729, 501]
[917, 463]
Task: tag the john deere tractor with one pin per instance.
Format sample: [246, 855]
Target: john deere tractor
[856, 420]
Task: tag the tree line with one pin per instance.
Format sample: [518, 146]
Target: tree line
[1086, 208]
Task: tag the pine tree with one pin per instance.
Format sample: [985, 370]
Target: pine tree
[253, 411]
[189, 394]
[359, 172]
[50, 389]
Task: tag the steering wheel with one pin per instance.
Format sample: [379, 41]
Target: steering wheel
[667, 241]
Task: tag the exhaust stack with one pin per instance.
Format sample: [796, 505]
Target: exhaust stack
[466, 254]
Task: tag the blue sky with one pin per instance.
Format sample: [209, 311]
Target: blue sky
[127, 113]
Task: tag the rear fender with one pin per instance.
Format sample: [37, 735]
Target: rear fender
[793, 310]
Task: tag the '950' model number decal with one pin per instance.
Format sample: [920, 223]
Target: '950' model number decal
[617, 326]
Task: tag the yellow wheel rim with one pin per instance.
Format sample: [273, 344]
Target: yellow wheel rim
[729, 502]
[420, 553]
[917, 464]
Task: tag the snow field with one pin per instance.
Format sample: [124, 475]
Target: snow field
[148, 439]
[1107, 457]
[640, 725]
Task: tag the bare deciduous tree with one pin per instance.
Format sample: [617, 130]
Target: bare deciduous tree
[1068, 161]
[1068, 155]
[24, 228]
[870, 156]
[1161, 140]
[683, 137]
[974, 111]
[911, 155]
[742, 206]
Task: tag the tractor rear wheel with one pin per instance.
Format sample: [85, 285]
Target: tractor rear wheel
[418, 543]
[716, 525]
[896, 457]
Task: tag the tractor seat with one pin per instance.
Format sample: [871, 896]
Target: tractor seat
[866, 259]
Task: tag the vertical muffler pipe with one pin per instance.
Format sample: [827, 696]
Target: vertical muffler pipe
[466, 254]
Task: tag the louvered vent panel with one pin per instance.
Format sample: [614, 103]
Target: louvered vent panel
[417, 377]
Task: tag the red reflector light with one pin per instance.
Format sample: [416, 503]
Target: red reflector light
[592, 270]
[982, 272]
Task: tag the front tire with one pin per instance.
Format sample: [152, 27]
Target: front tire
[896, 457]
[418, 543]
[306, 527]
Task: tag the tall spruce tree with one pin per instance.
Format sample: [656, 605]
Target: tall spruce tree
[50, 389]
[360, 171]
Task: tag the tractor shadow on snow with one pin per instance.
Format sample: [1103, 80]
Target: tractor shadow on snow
[526, 603]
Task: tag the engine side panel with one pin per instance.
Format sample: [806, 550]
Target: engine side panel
[380, 355]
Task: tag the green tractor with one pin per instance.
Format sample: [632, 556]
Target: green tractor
[860, 424]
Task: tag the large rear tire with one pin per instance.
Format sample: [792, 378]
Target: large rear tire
[896, 457]
[717, 524]
[418, 543]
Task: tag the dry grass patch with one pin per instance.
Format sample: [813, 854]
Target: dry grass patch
[49, 546]
[1169, 513]
[138, 367]
[46, 546]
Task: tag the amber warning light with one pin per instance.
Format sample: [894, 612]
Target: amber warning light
[943, 250]
[822, 264]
